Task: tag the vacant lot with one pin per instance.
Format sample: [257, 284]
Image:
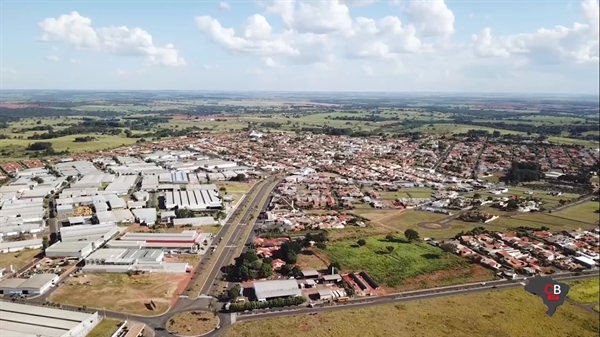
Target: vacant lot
[18, 259]
[193, 323]
[308, 260]
[586, 212]
[510, 313]
[408, 265]
[585, 291]
[234, 189]
[401, 220]
[106, 328]
[119, 292]
[16, 148]
[548, 200]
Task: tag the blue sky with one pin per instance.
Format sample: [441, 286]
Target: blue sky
[327, 45]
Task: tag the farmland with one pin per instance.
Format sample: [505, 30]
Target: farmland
[406, 261]
[507, 313]
[120, 292]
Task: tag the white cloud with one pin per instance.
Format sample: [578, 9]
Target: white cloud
[52, 58]
[575, 44]
[431, 17]
[77, 31]
[224, 6]
[74, 61]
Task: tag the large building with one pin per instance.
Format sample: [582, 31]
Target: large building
[186, 240]
[121, 260]
[268, 290]
[22, 320]
[37, 284]
[80, 241]
[195, 197]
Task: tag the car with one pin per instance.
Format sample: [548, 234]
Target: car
[217, 327]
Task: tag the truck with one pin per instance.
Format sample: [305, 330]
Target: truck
[342, 299]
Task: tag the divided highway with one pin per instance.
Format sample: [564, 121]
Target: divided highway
[236, 238]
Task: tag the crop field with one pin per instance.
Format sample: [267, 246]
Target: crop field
[106, 328]
[504, 313]
[18, 259]
[120, 292]
[585, 291]
[406, 261]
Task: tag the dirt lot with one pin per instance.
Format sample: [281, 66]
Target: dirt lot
[310, 261]
[18, 259]
[119, 292]
[511, 313]
[193, 323]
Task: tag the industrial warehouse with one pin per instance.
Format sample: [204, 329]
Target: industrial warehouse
[80, 241]
[37, 284]
[21, 320]
[186, 241]
[197, 198]
[268, 290]
[121, 260]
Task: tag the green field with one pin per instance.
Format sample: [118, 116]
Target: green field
[586, 212]
[407, 260]
[585, 291]
[548, 200]
[506, 313]
[106, 328]
[16, 148]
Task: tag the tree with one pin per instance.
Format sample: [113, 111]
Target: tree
[265, 270]
[476, 196]
[45, 243]
[448, 248]
[361, 242]
[390, 249]
[411, 234]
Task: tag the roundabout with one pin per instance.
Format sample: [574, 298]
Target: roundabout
[433, 225]
[193, 323]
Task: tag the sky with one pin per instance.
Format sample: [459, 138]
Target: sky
[526, 46]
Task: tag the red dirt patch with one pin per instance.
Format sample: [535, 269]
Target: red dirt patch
[473, 273]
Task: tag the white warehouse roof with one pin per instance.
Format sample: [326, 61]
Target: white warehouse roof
[276, 288]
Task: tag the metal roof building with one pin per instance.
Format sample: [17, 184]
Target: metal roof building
[37, 284]
[266, 290]
[22, 320]
[201, 221]
[78, 249]
[145, 215]
[197, 199]
[15, 246]
[121, 185]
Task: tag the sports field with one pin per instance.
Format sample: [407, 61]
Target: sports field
[506, 313]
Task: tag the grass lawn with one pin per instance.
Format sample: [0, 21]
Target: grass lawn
[234, 189]
[597, 308]
[584, 212]
[584, 291]
[106, 328]
[209, 229]
[406, 261]
[18, 259]
[119, 292]
[413, 192]
[400, 221]
[193, 323]
[506, 313]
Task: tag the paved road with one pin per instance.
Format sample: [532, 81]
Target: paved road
[408, 296]
[235, 238]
